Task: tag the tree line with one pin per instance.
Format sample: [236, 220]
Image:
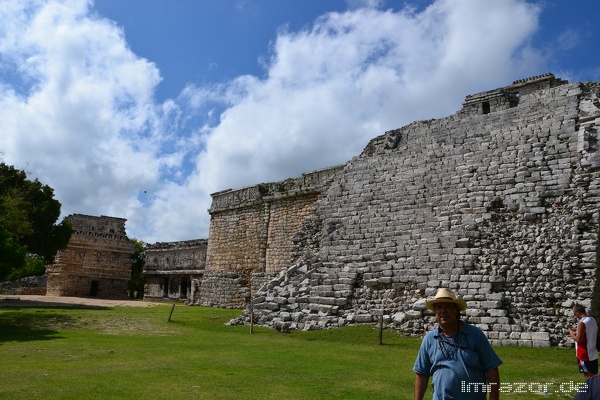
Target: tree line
[29, 235]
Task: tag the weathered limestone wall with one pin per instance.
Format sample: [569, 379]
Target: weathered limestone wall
[30, 285]
[251, 234]
[285, 220]
[174, 270]
[499, 202]
[96, 262]
[229, 289]
[236, 240]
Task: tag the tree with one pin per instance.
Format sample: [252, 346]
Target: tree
[12, 255]
[28, 215]
[138, 261]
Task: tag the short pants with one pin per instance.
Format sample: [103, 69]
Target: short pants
[588, 366]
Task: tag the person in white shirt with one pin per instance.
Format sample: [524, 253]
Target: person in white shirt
[585, 341]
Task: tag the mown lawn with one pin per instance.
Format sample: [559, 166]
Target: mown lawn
[135, 353]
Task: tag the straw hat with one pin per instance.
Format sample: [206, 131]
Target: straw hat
[444, 295]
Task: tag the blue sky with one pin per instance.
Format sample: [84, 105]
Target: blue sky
[207, 41]
[141, 109]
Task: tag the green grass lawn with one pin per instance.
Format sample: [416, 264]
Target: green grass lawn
[136, 353]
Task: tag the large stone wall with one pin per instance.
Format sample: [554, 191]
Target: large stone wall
[499, 202]
[30, 285]
[96, 262]
[252, 235]
[174, 270]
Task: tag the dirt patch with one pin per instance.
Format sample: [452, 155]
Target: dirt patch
[53, 301]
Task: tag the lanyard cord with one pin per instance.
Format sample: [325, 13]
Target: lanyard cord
[453, 344]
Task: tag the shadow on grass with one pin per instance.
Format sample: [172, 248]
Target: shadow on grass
[28, 335]
[33, 322]
[8, 303]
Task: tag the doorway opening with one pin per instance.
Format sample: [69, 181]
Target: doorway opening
[94, 288]
[166, 287]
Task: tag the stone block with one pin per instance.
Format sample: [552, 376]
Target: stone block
[363, 318]
[398, 317]
[540, 336]
[324, 309]
[541, 343]
[491, 304]
[474, 312]
[497, 313]
[501, 327]
[371, 283]
[341, 301]
[525, 343]
[413, 314]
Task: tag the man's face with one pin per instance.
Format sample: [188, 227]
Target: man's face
[576, 313]
[445, 313]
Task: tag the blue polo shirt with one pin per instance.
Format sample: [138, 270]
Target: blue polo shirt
[589, 391]
[459, 369]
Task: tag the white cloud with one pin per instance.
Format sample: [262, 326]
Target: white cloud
[82, 113]
[83, 119]
[352, 76]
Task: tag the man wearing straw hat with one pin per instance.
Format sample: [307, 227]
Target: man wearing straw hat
[457, 355]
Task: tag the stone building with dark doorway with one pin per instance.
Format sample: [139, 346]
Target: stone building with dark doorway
[96, 262]
[174, 270]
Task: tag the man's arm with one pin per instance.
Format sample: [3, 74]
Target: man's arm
[579, 334]
[420, 386]
[493, 380]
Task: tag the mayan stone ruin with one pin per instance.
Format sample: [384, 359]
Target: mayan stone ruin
[498, 202]
[96, 262]
[173, 270]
